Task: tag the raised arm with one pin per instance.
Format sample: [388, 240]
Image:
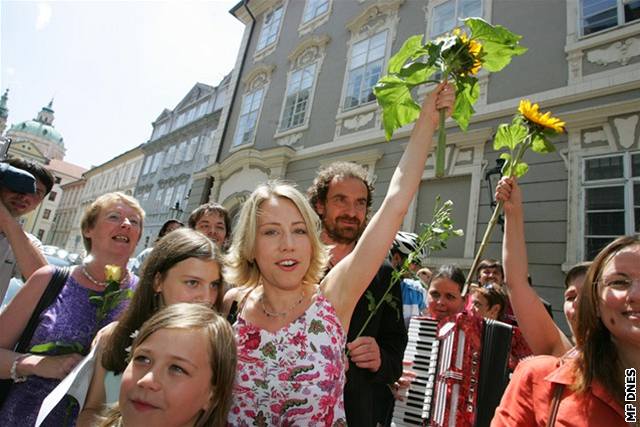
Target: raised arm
[27, 251]
[346, 282]
[538, 328]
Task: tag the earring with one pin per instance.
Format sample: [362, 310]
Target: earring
[158, 301]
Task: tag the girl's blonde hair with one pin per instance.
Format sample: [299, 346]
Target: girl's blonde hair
[221, 349]
[242, 267]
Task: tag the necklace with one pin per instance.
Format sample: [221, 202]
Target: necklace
[97, 283]
[279, 313]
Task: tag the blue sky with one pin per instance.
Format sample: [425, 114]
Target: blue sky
[111, 67]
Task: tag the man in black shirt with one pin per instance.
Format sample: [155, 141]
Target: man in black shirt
[341, 195]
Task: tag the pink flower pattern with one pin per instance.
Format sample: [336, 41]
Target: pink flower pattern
[293, 377]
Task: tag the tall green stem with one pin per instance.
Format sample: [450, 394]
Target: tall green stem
[494, 217]
[394, 280]
[483, 245]
[442, 143]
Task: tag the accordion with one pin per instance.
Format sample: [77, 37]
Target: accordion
[462, 368]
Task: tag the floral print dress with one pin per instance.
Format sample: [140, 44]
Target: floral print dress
[294, 376]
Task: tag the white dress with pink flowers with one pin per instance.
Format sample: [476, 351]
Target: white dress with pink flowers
[293, 377]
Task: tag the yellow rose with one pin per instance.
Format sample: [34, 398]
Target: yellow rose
[112, 273]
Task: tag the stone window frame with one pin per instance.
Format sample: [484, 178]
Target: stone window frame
[310, 51]
[483, 75]
[258, 78]
[313, 23]
[619, 15]
[431, 5]
[262, 52]
[592, 133]
[380, 16]
[627, 181]
[609, 46]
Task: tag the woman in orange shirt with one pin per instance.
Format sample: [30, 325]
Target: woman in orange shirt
[587, 385]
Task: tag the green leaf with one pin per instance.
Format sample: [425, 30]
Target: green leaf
[416, 73]
[541, 144]
[57, 348]
[498, 43]
[520, 169]
[411, 49]
[42, 348]
[398, 107]
[466, 95]
[371, 301]
[509, 136]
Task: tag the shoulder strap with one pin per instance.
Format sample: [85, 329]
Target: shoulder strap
[555, 403]
[58, 279]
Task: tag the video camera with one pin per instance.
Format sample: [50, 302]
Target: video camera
[14, 179]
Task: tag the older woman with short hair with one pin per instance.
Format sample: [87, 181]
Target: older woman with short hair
[111, 228]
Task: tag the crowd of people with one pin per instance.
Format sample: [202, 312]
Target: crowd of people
[271, 323]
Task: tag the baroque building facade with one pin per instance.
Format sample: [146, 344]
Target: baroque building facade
[301, 97]
[181, 143]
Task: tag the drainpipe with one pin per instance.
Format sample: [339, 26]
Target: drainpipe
[235, 89]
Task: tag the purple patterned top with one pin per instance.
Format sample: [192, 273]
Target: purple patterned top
[71, 318]
[294, 376]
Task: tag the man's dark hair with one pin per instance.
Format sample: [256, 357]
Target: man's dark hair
[39, 172]
[208, 208]
[576, 271]
[320, 186]
[490, 263]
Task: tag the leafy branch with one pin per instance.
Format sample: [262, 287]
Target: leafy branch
[458, 58]
[432, 238]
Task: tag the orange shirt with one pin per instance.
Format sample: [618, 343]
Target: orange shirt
[528, 398]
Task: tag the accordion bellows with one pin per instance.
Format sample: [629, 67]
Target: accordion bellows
[462, 367]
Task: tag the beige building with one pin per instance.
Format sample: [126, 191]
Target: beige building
[118, 174]
[41, 221]
[66, 214]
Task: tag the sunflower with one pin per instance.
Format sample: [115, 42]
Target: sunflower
[473, 59]
[530, 112]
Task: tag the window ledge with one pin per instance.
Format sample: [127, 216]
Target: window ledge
[291, 131]
[604, 37]
[240, 147]
[366, 108]
[307, 27]
[259, 55]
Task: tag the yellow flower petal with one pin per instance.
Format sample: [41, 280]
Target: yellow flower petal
[531, 112]
[112, 273]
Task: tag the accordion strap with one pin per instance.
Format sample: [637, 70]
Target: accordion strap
[555, 403]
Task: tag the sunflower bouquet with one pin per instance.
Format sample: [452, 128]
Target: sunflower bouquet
[529, 129]
[457, 57]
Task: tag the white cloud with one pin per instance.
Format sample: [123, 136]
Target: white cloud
[44, 15]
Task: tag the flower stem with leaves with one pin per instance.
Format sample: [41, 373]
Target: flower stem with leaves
[529, 129]
[458, 58]
[433, 237]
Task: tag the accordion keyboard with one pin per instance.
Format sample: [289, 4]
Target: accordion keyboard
[421, 351]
